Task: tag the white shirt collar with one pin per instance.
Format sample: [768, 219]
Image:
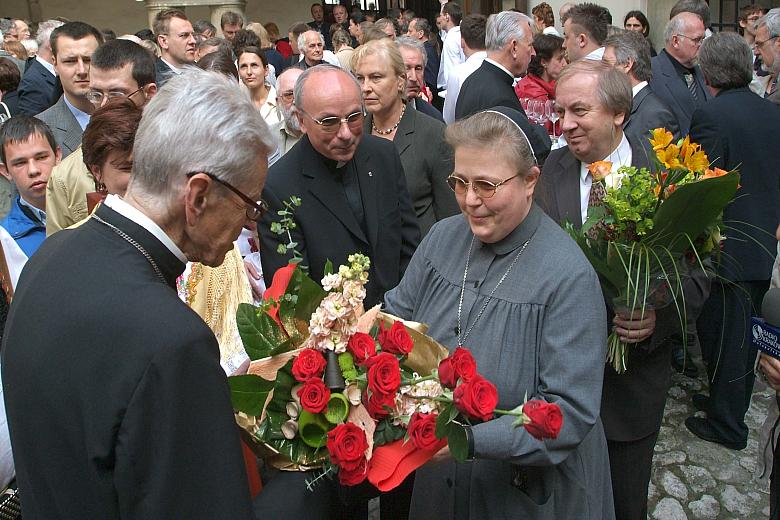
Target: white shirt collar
[620, 156]
[596, 55]
[497, 64]
[176, 70]
[636, 88]
[39, 213]
[481, 56]
[126, 210]
[47, 65]
[81, 117]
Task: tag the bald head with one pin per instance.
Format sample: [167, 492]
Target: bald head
[683, 36]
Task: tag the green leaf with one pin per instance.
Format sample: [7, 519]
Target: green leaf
[443, 421]
[458, 443]
[386, 432]
[259, 332]
[248, 393]
[690, 210]
[310, 294]
[328, 267]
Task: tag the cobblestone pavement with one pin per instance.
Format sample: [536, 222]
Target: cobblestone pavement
[695, 479]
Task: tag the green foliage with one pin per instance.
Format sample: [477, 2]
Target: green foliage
[261, 335]
[284, 226]
[248, 393]
[458, 442]
[347, 366]
[386, 432]
[632, 204]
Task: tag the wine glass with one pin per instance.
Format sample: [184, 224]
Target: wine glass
[533, 111]
[552, 115]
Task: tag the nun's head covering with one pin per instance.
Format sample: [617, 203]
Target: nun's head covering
[535, 135]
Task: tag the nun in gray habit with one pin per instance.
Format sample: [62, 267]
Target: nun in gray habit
[506, 282]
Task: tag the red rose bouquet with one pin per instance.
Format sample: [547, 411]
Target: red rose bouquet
[358, 394]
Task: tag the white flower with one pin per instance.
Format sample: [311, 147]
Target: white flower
[331, 282]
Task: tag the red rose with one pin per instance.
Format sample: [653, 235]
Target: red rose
[396, 340]
[422, 430]
[546, 419]
[377, 403]
[308, 364]
[459, 365]
[314, 395]
[361, 346]
[355, 476]
[384, 374]
[476, 398]
[347, 446]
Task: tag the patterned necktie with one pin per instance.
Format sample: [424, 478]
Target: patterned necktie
[597, 193]
[690, 80]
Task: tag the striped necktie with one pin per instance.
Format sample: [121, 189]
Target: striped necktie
[690, 80]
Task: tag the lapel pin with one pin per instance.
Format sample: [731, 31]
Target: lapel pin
[370, 174]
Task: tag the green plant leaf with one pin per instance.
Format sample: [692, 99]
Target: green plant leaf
[386, 432]
[249, 392]
[259, 332]
[328, 267]
[443, 421]
[458, 442]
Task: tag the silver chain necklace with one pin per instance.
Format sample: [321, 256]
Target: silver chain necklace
[490, 296]
[392, 128]
[133, 243]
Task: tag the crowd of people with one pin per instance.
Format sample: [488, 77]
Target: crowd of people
[150, 172]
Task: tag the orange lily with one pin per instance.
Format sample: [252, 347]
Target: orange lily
[711, 174]
[600, 170]
[661, 139]
[693, 157]
[669, 157]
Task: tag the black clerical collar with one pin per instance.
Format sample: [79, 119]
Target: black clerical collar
[170, 266]
[332, 164]
[679, 67]
[520, 235]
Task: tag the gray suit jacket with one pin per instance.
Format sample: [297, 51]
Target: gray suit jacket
[668, 86]
[427, 162]
[632, 403]
[649, 112]
[67, 131]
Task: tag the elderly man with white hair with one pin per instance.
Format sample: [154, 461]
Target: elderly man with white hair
[509, 42]
[312, 48]
[767, 45]
[128, 373]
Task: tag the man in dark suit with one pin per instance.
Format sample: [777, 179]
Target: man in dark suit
[414, 57]
[39, 88]
[352, 187]
[738, 130]
[128, 353]
[629, 52]
[677, 80]
[632, 403]
[320, 25]
[72, 46]
[508, 55]
[174, 35]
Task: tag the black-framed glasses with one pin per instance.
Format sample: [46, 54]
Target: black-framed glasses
[96, 97]
[696, 41]
[333, 123]
[760, 44]
[254, 210]
[483, 189]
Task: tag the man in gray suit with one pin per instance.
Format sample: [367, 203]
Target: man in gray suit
[72, 45]
[629, 52]
[677, 79]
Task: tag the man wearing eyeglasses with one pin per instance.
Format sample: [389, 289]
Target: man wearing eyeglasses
[767, 46]
[120, 69]
[176, 39]
[288, 130]
[352, 187]
[128, 372]
[677, 80]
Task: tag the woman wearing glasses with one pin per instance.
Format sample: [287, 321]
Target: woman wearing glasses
[505, 282]
[419, 138]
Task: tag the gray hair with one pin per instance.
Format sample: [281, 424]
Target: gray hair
[414, 44]
[678, 24]
[44, 32]
[613, 89]
[726, 61]
[302, 39]
[182, 126]
[632, 46]
[300, 83]
[772, 22]
[504, 27]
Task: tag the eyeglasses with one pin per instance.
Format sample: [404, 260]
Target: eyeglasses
[482, 189]
[760, 44]
[332, 124]
[96, 97]
[696, 41]
[254, 210]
